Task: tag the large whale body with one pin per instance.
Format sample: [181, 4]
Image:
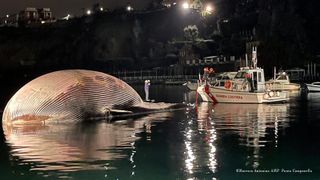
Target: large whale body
[68, 94]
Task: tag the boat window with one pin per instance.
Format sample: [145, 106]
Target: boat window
[255, 75]
[255, 82]
[240, 75]
[259, 77]
[225, 78]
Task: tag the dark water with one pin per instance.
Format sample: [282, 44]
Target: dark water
[205, 141]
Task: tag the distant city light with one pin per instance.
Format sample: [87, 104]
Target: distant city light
[101, 8]
[129, 8]
[42, 22]
[88, 12]
[185, 5]
[7, 15]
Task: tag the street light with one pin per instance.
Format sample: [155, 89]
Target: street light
[101, 8]
[209, 9]
[129, 8]
[185, 5]
[88, 12]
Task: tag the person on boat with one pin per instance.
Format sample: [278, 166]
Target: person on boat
[249, 79]
[211, 74]
[205, 76]
[146, 89]
[211, 71]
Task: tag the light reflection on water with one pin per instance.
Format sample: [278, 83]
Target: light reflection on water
[256, 126]
[78, 147]
[249, 121]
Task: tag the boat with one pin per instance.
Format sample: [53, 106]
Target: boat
[248, 86]
[313, 87]
[281, 82]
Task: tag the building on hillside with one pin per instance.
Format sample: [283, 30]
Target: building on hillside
[29, 15]
[32, 16]
[45, 15]
[9, 20]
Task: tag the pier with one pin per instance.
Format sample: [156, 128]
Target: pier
[156, 77]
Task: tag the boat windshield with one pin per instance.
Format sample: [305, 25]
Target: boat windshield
[282, 77]
[223, 77]
[240, 75]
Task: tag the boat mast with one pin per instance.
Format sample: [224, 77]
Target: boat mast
[254, 57]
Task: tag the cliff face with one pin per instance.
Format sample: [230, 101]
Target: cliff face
[105, 42]
[286, 29]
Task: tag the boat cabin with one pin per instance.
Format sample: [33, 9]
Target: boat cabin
[248, 79]
[282, 78]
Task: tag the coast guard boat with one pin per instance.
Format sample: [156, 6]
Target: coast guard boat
[248, 86]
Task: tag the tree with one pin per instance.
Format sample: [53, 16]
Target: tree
[191, 32]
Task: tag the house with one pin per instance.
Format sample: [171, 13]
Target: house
[45, 14]
[9, 20]
[32, 16]
[29, 15]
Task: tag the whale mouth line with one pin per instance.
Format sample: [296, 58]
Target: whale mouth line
[138, 112]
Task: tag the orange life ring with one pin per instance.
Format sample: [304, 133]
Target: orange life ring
[228, 84]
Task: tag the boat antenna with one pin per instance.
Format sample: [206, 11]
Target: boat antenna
[254, 57]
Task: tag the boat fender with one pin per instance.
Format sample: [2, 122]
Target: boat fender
[271, 93]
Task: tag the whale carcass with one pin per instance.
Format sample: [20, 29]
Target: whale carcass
[69, 94]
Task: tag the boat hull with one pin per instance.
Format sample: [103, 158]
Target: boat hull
[219, 94]
[313, 88]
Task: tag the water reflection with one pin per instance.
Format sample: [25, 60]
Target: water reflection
[189, 96]
[199, 142]
[255, 124]
[313, 96]
[82, 146]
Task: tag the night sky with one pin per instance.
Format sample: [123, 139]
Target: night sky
[61, 8]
